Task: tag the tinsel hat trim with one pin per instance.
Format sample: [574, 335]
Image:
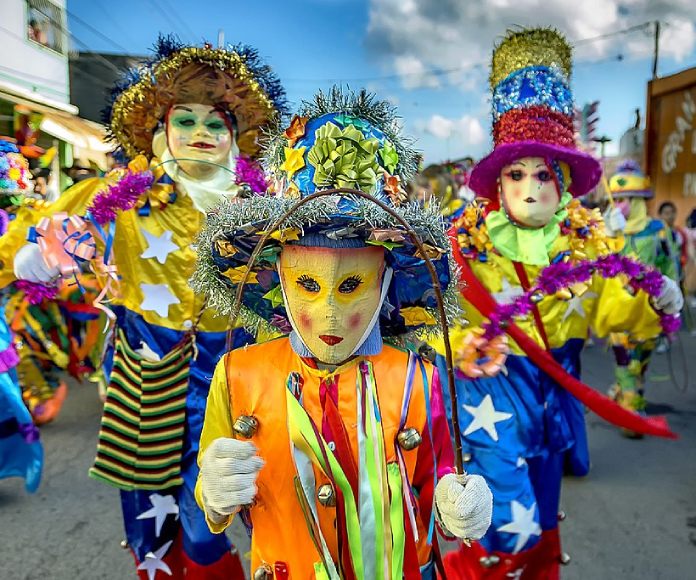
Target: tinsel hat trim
[532, 110]
[630, 181]
[337, 141]
[235, 79]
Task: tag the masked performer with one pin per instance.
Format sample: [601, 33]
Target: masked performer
[329, 441]
[190, 119]
[650, 241]
[21, 453]
[524, 254]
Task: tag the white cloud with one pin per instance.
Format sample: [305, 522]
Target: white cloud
[467, 128]
[455, 37]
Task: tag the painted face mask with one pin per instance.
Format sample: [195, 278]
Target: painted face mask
[529, 192]
[198, 132]
[333, 297]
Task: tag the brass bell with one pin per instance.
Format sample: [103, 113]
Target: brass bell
[489, 561]
[245, 426]
[564, 294]
[537, 296]
[561, 516]
[409, 439]
[466, 457]
[263, 572]
[124, 544]
[326, 495]
[565, 558]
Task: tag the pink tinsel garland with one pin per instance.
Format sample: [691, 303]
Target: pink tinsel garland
[36, 293]
[120, 196]
[249, 173]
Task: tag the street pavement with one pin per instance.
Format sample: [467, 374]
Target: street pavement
[629, 519]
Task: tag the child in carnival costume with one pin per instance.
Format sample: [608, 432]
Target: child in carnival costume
[649, 241]
[21, 453]
[523, 251]
[329, 441]
[190, 121]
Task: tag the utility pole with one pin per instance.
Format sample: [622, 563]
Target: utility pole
[221, 38]
[656, 48]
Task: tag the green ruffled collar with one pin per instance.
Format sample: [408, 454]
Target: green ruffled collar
[526, 245]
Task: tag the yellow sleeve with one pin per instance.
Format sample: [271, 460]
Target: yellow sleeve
[217, 423]
[73, 201]
[616, 310]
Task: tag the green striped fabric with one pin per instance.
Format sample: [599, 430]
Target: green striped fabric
[142, 430]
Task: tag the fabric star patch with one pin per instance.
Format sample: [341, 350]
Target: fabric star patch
[159, 247]
[157, 297]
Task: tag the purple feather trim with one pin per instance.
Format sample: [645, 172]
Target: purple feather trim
[563, 275]
[36, 293]
[120, 196]
[249, 173]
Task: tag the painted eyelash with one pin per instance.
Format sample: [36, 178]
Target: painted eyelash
[355, 281]
[308, 283]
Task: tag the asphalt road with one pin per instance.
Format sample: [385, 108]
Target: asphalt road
[629, 519]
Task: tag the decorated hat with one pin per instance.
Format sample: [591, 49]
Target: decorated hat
[15, 177]
[533, 110]
[234, 79]
[338, 140]
[630, 181]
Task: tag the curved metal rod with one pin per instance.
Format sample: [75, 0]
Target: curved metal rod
[345, 192]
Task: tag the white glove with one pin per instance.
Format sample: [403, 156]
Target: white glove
[29, 265]
[670, 300]
[229, 468]
[614, 222]
[464, 505]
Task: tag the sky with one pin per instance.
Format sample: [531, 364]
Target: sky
[429, 57]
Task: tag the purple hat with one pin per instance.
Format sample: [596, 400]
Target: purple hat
[533, 111]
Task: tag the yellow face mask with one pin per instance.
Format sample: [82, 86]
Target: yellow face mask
[333, 297]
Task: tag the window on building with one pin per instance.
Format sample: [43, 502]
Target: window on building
[45, 24]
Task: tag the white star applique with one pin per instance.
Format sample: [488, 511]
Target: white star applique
[516, 574]
[485, 417]
[523, 524]
[153, 562]
[575, 305]
[162, 506]
[157, 297]
[158, 247]
[508, 293]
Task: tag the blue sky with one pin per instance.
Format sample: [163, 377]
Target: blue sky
[430, 57]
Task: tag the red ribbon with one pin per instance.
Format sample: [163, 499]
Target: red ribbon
[479, 297]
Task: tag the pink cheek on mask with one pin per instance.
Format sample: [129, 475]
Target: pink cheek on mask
[354, 321]
[305, 322]
[546, 198]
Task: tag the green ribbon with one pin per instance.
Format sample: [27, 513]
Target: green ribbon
[526, 245]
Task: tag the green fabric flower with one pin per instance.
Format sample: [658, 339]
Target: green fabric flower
[344, 120]
[528, 246]
[389, 156]
[344, 158]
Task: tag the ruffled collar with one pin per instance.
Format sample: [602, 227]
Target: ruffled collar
[526, 245]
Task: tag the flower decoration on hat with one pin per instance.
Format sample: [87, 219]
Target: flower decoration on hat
[339, 140]
[15, 177]
[532, 111]
[233, 79]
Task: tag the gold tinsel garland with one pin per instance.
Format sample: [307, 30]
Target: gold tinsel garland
[532, 47]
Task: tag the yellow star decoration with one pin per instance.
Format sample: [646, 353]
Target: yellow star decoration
[236, 275]
[417, 315]
[274, 296]
[225, 248]
[294, 160]
[289, 235]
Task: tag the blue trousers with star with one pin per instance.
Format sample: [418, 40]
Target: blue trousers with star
[521, 430]
[199, 545]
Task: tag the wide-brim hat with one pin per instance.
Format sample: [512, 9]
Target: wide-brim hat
[336, 141]
[533, 112]
[630, 181]
[233, 79]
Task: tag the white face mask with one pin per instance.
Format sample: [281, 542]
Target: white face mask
[529, 192]
[333, 297]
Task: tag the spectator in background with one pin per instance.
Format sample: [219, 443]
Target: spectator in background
[675, 237]
[690, 266]
[36, 33]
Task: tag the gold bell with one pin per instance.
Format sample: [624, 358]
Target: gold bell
[124, 544]
[245, 426]
[536, 297]
[565, 558]
[326, 495]
[263, 572]
[409, 438]
[489, 561]
[564, 294]
[466, 457]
